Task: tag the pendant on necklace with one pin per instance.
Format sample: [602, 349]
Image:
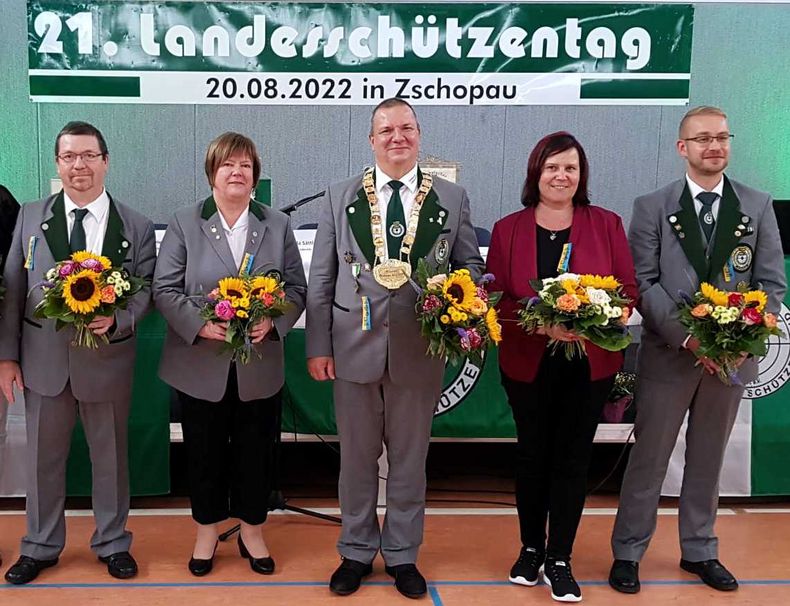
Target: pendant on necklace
[553, 236]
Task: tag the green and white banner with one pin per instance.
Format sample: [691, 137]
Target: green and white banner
[104, 51]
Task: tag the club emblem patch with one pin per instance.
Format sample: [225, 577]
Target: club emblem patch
[741, 257]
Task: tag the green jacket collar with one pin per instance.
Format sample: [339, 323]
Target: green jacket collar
[210, 209]
[358, 215]
[728, 233]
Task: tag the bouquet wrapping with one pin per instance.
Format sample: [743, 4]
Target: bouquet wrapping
[242, 302]
[594, 307]
[728, 326]
[457, 316]
[82, 288]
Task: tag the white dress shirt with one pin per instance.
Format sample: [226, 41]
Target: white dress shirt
[237, 235]
[407, 194]
[94, 222]
[695, 190]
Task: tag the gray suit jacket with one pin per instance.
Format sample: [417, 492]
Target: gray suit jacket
[193, 257]
[47, 358]
[669, 256]
[334, 303]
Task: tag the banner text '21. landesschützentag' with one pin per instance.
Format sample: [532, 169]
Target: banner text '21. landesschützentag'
[358, 54]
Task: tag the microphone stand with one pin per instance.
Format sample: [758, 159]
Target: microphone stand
[276, 498]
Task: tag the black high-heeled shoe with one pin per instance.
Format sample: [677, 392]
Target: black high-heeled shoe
[200, 567]
[259, 565]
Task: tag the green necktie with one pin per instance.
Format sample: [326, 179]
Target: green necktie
[77, 239]
[396, 221]
[706, 213]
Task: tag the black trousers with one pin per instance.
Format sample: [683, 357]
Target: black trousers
[230, 450]
[556, 417]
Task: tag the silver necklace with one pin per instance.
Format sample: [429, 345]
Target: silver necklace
[553, 235]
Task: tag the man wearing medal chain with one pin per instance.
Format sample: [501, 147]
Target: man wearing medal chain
[362, 332]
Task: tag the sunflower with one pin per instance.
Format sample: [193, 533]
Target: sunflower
[492, 322]
[81, 292]
[596, 281]
[232, 288]
[713, 294]
[569, 286]
[460, 290]
[262, 284]
[756, 296]
[84, 255]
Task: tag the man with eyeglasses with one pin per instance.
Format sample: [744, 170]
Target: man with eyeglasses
[702, 228]
[61, 380]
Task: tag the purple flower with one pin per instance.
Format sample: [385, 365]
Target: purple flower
[487, 278]
[461, 332]
[224, 310]
[533, 301]
[66, 269]
[93, 265]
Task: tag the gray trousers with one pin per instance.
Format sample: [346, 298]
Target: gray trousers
[662, 406]
[50, 423]
[400, 416]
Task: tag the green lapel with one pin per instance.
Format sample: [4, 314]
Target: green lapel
[209, 208]
[427, 231]
[727, 233]
[256, 208]
[115, 244]
[685, 226]
[55, 230]
[358, 215]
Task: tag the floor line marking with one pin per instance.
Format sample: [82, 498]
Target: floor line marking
[434, 593]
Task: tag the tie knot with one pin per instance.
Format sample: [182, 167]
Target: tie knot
[707, 198]
[395, 185]
[79, 214]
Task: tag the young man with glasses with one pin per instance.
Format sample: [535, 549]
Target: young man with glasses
[61, 380]
[701, 228]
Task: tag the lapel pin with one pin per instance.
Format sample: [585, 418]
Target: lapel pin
[367, 266]
[351, 210]
[125, 244]
[255, 234]
[681, 235]
[744, 219]
[678, 227]
[430, 219]
[441, 213]
[45, 226]
[213, 229]
[738, 232]
[349, 257]
[673, 219]
[217, 236]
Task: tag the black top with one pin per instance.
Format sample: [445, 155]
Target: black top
[549, 251]
[9, 208]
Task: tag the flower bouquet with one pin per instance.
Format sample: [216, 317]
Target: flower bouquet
[242, 302]
[593, 307]
[456, 316]
[728, 325]
[81, 288]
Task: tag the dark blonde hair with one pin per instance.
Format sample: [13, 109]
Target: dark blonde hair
[702, 110]
[227, 145]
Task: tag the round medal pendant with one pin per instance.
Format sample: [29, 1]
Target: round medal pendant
[396, 229]
[392, 273]
[708, 218]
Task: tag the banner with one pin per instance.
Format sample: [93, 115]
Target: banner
[104, 51]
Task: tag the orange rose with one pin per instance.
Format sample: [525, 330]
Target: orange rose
[701, 311]
[568, 302]
[108, 294]
[769, 320]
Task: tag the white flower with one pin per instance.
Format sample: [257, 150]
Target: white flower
[52, 274]
[116, 275]
[110, 280]
[568, 276]
[118, 290]
[126, 286]
[614, 312]
[598, 296]
[725, 315]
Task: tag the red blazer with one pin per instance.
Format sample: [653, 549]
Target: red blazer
[599, 247]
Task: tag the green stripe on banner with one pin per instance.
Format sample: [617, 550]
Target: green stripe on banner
[634, 88]
[771, 415]
[85, 86]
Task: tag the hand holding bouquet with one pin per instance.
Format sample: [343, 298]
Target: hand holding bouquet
[728, 326]
[456, 316]
[82, 288]
[591, 307]
[242, 302]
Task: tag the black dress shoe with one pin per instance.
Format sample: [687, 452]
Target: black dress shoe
[348, 576]
[259, 565]
[408, 580]
[712, 573]
[624, 576]
[25, 569]
[200, 567]
[120, 565]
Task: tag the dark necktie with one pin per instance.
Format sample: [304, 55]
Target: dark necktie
[396, 221]
[706, 213]
[77, 238]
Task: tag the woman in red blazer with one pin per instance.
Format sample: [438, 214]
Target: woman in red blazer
[556, 403]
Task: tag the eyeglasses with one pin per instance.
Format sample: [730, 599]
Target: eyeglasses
[87, 157]
[708, 139]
